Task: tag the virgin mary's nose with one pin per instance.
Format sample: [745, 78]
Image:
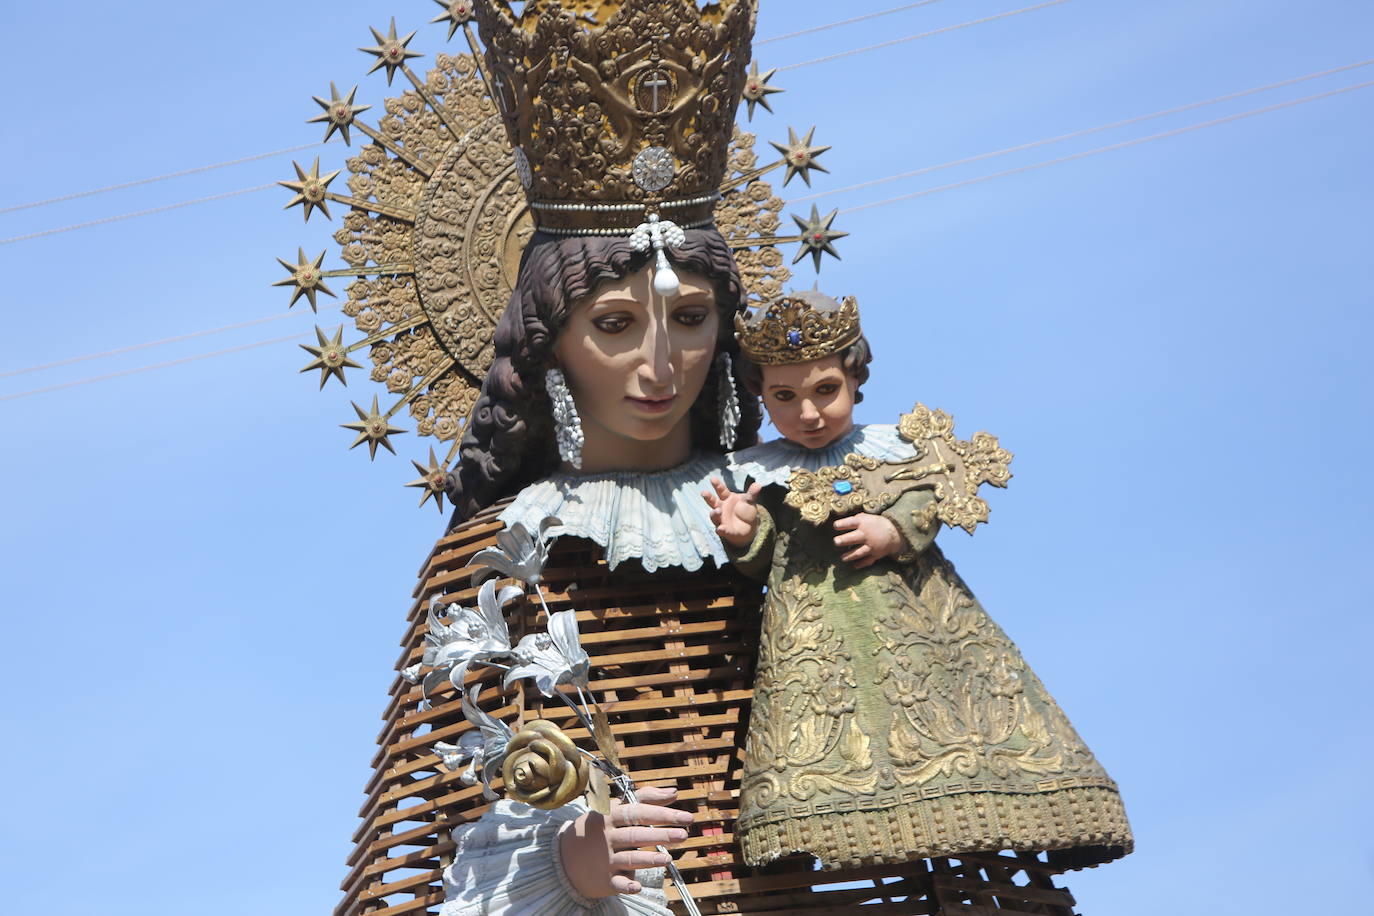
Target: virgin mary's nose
[656, 362]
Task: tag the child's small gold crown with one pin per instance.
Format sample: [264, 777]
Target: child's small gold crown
[793, 329]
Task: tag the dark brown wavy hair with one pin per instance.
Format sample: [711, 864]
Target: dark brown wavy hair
[509, 440]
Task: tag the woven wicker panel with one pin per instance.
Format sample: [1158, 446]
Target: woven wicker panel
[672, 662]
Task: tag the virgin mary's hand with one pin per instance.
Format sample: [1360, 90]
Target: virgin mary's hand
[601, 852]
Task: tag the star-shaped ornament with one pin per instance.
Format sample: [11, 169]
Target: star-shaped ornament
[310, 188]
[800, 156]
[816, 235]
[306, 277]
[338, 113]
[433, 478]
[391, 51]
[756, 88]
[455, 13]
[372, 428]
[331, 357]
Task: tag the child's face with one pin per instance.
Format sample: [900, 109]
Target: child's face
[811, 404]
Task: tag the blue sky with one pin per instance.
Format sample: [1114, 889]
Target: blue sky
[204, 588]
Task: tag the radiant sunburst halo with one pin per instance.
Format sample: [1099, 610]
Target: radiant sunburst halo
[425, 296]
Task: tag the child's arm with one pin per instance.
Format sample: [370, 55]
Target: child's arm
[736, 515]
[903, 531]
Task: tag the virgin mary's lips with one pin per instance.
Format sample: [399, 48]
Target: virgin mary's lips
[653, 405]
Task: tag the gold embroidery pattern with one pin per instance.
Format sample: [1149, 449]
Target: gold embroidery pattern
[964, 704]
[804, 737]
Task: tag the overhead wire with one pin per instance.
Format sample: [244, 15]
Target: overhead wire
[123, 216]
[155, 178]
[292, 149]
[1179, 109]
[834, 25]
[848, 210]
[164, 365]
[940, 31]
[131, 348]
[1106, 149]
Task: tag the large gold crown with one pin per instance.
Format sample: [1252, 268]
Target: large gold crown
[618, 109]
[798, 328]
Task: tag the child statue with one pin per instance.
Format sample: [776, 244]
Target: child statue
[893, 720]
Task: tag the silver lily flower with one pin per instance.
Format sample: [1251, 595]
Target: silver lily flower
[468, 750]
[552, 658]
[471, 635]
[518, 554]
[496, 735]
[411, 673]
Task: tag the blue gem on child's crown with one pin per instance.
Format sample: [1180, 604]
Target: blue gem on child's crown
[794, 337]
[843, 487]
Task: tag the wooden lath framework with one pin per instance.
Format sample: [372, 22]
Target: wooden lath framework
[672, 662]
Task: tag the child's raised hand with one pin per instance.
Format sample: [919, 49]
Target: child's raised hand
[872, 537]
[735, 515]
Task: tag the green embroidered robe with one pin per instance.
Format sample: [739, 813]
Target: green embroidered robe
[893, 720]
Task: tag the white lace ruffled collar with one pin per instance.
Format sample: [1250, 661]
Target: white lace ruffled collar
[658, 518]
[773, 462]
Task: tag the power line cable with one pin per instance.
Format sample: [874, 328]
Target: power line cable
[1106, 149]
[877, 203]
[142, 181]
[1230, 96]
[171, 362]
[834, 25]
[897, 41]
[152, 343]
[122, 216]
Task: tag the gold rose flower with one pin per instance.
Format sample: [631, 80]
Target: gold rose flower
[543, 768]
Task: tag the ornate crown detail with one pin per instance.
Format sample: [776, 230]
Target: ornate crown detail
[618, 109]
[791, 330]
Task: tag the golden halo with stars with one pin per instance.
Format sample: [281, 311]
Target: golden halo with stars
[435, 223]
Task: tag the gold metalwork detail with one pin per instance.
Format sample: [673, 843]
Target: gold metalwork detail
[804, 739]
[457, 13]
[800, 156]
[391, 52]
[816, 236]
[437, 219]
[338, 112]
[331, 356]
[543, 767]
[373, 428]
[952, 469]
[588, 85]
[307, 277]
[311, 190]
[964, 703]
[431, 481]
[757, 90]
[791, 331]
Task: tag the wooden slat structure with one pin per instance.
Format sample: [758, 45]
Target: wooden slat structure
[672, 662]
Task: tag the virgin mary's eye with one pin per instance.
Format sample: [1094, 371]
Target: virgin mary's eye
[827, 388]
[784, 395]
[690, 317]
[611, 324]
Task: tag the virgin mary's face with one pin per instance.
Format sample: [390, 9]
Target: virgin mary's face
[636, 361]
